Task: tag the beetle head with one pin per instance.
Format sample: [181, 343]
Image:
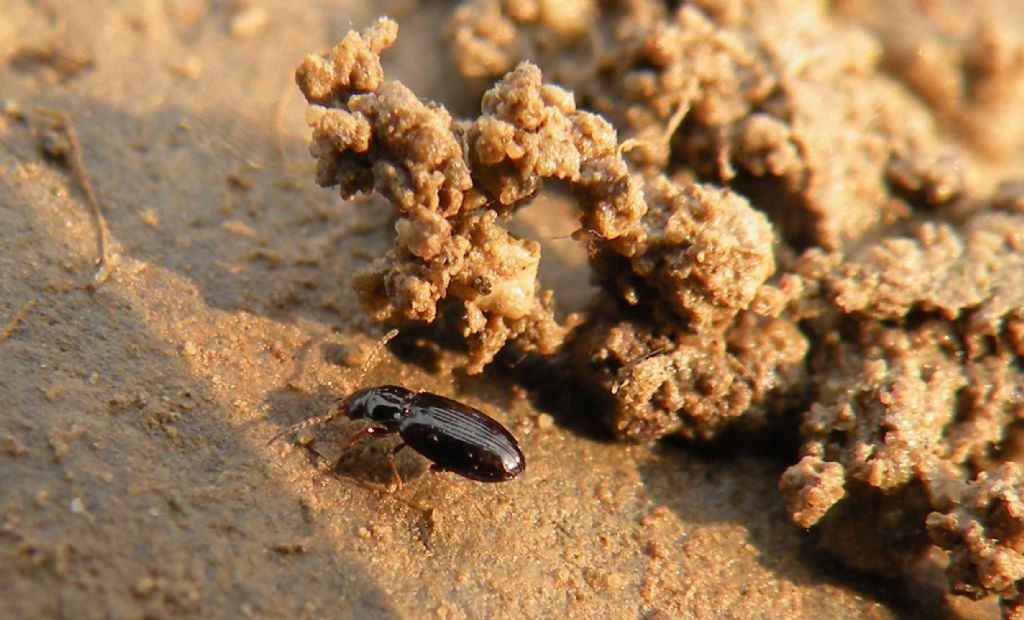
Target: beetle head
[385, 405]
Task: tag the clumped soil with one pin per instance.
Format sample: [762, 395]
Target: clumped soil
[744, 278]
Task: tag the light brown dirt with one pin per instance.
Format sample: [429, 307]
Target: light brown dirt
[134, 476]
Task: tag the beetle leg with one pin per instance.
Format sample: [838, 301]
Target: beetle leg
[368, 431]
[397, 482]
[436, 469]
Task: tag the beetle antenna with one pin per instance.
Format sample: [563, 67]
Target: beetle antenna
[337, 411]
[340, 409]
[371, 359]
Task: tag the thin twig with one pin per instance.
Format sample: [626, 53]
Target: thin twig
[76, 161]
[682, 109]
[16, 320]
[675, 120]
[630, 365]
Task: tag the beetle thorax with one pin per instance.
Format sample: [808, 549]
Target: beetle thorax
[385, 405]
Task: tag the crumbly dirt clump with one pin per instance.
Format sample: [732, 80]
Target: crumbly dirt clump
[984, 531]
[883, 402]
[974, 270]
[702, 253]
[776, 98]
[781, 230]
[966, 64]
[715, 350]
[491, 36]
[918, 382]
[914, 306]
[656, 381]
[449, 181]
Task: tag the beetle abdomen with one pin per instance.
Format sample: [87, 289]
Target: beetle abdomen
[461, 439]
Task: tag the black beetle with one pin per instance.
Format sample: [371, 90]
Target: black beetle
[456, 437]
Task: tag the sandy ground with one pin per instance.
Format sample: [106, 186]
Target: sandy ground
[134, 476]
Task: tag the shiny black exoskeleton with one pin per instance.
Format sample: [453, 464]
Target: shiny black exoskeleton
[455, 436]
